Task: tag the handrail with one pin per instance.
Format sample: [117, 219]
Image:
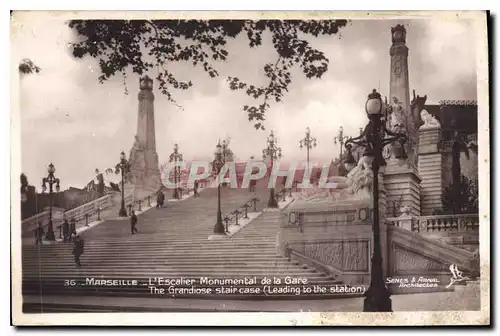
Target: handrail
[231, 218]
[335, 272]
[41, 218]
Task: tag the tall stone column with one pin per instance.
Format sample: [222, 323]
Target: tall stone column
[401, 177]
[145, 173]
[430, 166]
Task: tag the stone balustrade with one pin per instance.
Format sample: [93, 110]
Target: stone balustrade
[91, 207]
[77, 213]
[436, 224]
[31, 223]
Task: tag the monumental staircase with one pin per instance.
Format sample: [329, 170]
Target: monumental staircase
[172, 242]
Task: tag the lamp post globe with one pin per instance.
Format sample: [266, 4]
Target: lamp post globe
[51, 169]
[374, 104]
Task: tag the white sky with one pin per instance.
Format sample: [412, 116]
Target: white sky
[68, 118]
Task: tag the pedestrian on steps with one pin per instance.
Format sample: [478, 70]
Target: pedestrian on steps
[160, 199]
[78, 250]
[72, 229]
[39, 232]
[66, 232]
[196, 194]
[133, 222]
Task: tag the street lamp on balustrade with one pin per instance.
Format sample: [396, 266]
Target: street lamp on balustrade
[50, 180]
[308, 143]
[176, 157]
[217, 165]
[122, 167]
[273, 152]
[374, 138]
[341, 139]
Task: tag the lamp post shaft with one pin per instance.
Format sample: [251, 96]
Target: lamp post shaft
[50, 204]
[377, 296]
[219, 212]
[341, 145]
[307, 157]
[219, 226]
[123, 211]
[50, 232]
[272, 199]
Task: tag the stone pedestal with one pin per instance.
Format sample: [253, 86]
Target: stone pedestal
[430, 167]
[402, 186]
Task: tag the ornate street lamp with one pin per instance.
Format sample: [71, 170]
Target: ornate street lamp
[176, 157]
[308, 142]
[274, 153]
[340, 139]
[374, 138]
[50, 180]
[217, 165]
[124, 167]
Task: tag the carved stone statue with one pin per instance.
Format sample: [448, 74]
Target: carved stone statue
[356, 186]
[429, 121]
[405, 211]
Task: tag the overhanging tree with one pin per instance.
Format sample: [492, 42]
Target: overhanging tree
[143, 45]
[27, 67]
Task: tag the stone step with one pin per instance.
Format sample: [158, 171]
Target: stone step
[167, 247]
[208, 262]
[165, 252]
[174, 274]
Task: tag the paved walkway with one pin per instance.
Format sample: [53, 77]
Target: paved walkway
[463, 298]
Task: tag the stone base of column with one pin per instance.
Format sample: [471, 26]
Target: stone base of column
[402, 185]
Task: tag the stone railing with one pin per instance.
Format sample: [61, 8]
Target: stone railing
[233, 217]
[436, 224]
[139, 204]
[31, 223]
[79, 214]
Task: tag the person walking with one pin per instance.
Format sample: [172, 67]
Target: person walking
[66, 232]
[133, 222]
[72, 229]
[39, 232]
[196, 194]
[78, 250]
[160, 199]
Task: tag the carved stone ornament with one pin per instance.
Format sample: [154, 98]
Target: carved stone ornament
[398, 34]
[397, 65]
[293, 218]
[429, 121]
[146, 83]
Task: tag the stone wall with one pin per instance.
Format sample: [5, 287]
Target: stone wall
[339, 238]
[430, 168]
[402, 185]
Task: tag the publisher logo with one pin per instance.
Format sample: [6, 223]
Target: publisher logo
[413, 282]
[457, 276]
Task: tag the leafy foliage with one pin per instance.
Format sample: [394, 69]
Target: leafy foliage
[146, 44]
[461, 198]
[27, 67]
